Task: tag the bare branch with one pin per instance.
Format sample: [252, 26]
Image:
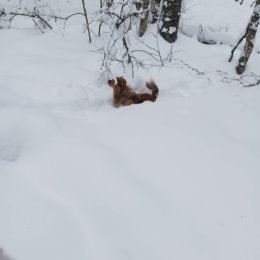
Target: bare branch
[86, 17]
[34, 14]
[238, 43]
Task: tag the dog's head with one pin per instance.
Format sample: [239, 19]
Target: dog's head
[120, 90]
[121, 82]
[116, 89]
[111, 83]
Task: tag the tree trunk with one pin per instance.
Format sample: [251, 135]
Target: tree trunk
[171, 13]
[109, 3]
[138, 4]
[144, 20]
[155, 5]
[250, 39]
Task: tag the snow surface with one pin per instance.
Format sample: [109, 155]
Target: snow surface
[174, 179]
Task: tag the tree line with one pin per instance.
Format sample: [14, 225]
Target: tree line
[129, 19]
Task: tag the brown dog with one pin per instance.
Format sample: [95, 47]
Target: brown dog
[124, 96]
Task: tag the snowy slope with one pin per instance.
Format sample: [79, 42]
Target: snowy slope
[175, 179]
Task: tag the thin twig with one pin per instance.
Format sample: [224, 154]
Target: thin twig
[86, 17]
[32, 15]
[240, 40]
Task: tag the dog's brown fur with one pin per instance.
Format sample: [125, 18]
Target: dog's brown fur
[124, 96]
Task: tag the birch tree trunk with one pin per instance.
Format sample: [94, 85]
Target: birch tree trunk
[109, 3]
[171, 13]
[155, 6]
[138, 4]
[250, 39]
[144, 20]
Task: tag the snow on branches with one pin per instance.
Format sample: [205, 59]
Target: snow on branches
[119, 40]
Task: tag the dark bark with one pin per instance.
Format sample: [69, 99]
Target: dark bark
[250, 39]
[109, 3]
[171, 13]
[144, 19]
[138, 5]
[155, 5]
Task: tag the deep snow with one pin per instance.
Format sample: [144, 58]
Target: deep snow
[175, 179]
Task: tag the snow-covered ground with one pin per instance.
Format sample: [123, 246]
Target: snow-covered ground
[174, 179]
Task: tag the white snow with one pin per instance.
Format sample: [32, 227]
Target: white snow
[174, 179]
[172, 30]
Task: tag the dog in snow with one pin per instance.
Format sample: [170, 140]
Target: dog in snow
[123, 95]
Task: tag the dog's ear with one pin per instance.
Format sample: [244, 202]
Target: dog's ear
[111, 83]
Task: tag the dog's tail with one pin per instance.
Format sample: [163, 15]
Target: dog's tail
[153, 87]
